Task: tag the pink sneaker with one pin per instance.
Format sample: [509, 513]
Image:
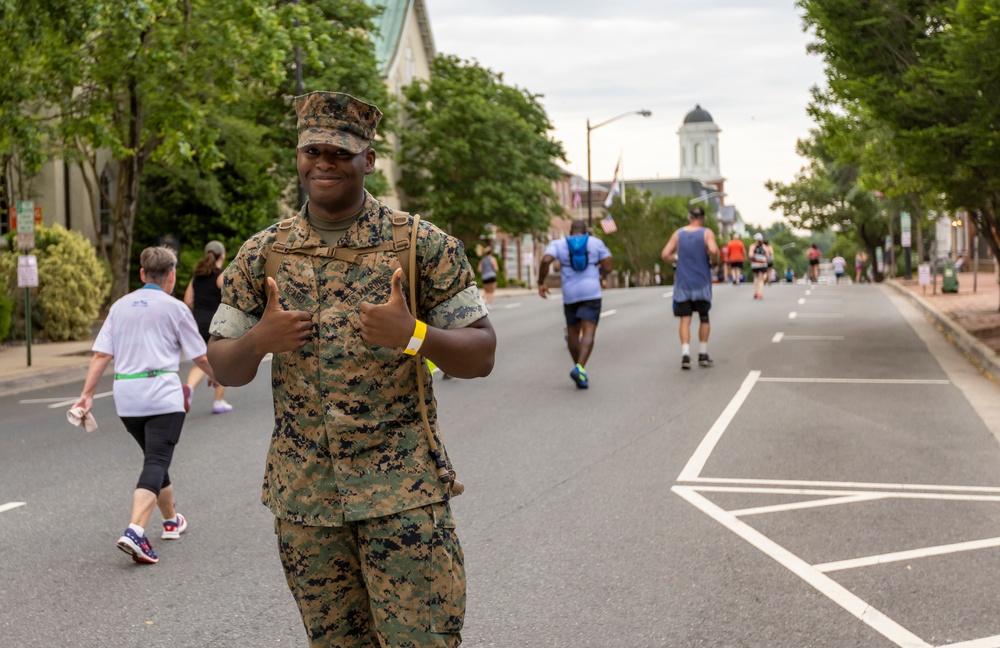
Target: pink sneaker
[173, 530]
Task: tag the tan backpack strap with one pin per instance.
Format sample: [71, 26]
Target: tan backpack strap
[402, 243]
[452, 486]
[277, 249]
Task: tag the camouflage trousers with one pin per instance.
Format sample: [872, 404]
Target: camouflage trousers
[391, 582]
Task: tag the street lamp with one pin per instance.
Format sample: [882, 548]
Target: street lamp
[707, 196]
[590, 197]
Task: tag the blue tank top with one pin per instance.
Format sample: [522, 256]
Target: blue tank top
[693, 278]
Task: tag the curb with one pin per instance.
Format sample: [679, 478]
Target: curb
[980, 354]
[45, 378]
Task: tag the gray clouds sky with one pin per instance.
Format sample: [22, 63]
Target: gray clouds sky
[744, 62]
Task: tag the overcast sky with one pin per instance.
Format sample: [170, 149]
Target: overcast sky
[743, 60]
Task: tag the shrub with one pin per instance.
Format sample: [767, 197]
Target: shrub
[6, 308]
[72, 285]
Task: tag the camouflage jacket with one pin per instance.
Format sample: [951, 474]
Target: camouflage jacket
[348, 443]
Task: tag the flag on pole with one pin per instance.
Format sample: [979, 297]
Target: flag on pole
[609, 225]
[616, 185]
[576, 193]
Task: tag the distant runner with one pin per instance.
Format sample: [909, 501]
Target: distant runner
[581, 292]
[693, 248]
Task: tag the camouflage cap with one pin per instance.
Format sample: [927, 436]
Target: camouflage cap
[337, 119]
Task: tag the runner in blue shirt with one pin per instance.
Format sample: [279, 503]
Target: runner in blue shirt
[581, 293]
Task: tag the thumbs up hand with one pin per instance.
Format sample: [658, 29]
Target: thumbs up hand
[389, 324]
[282, 331]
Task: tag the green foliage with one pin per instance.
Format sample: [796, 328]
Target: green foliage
[925, 76]
[6, 309]
[645, 224]
[72, 285]
[257, 137]
[476, 151]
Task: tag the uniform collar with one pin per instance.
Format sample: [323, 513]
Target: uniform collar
[366, 231]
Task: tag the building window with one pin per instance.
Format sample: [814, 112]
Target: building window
[712, 155]
[107, 193]
[411, 66]
[699, 155]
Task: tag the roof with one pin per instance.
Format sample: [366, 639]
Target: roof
[699, 114]
[389, 28]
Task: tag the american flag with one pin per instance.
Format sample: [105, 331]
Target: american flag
[608, 225]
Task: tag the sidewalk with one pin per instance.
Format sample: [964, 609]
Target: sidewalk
[57, 363]
[971, 320]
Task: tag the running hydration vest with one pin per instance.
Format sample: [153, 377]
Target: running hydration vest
[577, 246]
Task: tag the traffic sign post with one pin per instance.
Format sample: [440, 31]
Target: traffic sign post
[904, 240]
[27, 215]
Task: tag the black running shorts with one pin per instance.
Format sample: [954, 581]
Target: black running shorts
[687, 308]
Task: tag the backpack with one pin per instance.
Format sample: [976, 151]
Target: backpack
[577, 246]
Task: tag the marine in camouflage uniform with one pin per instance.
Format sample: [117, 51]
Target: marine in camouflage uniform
[365, 532]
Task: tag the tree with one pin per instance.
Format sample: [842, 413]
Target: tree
[256, 183]
[476, 151]
[144, 82]
[926, 71]
[645, 224]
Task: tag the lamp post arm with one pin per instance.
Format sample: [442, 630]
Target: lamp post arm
[644, 113]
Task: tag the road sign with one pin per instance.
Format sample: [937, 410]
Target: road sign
[924, 274]
[27, 271]
[904, 239]
[25, 216]
[904, 229]
[25, 240]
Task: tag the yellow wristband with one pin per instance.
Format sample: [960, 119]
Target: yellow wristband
[419, 333]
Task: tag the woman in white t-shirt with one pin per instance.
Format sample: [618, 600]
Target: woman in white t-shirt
[147, 390]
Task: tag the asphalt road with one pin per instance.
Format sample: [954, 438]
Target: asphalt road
[830, 482]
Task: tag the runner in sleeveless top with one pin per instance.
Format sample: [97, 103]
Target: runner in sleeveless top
[203, 296]
[693, 249]
[488, 268]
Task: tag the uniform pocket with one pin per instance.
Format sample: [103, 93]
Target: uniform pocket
[447, 577]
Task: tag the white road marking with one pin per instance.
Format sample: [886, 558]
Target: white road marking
[865, 612]
[913, 554]
[64, 403]
[758, 483]
[802, 301]
[808, 292]
[509, 306]
[814, 337]
[943, 497]
[793, 315]
[985, 642]
[668, 294]
[795, 506]
[697, 461]
[858, 381]
[609, 313]
[10, 505]
[777, 337]
[833, 315]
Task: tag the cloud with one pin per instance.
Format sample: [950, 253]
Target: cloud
[745, 63]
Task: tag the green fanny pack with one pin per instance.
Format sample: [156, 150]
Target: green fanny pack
[143, 374]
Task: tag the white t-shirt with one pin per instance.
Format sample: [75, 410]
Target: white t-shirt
[585, 284]
[147, 330]
[838, 264]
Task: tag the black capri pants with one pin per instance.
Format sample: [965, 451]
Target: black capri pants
[156, 435]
